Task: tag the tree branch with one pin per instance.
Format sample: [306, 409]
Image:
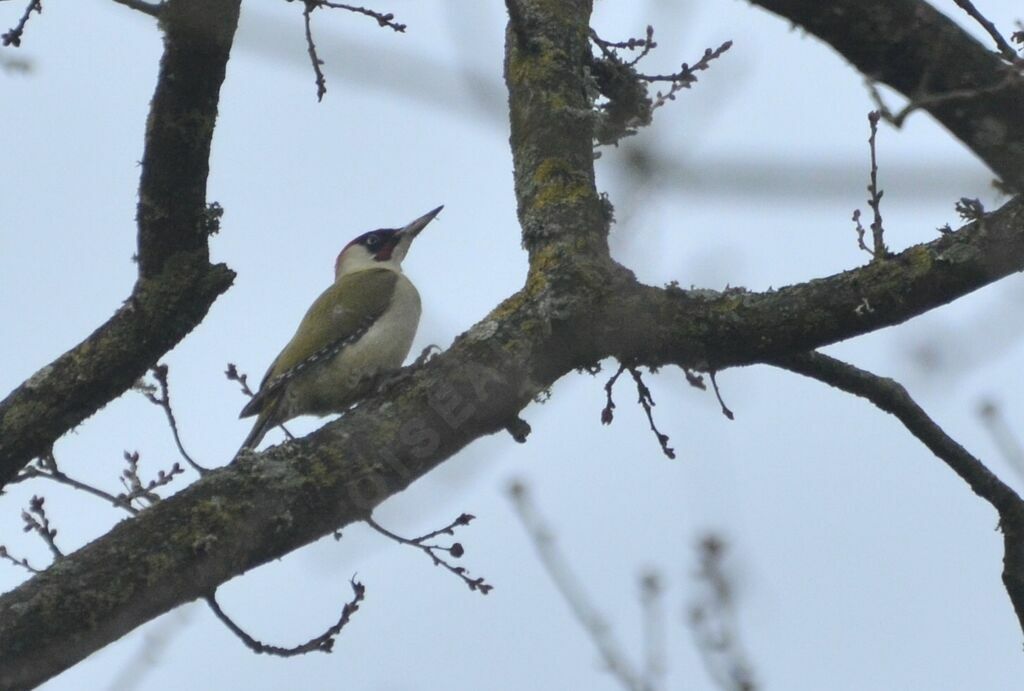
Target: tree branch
[1005, 49]
[561, 214]
[264, 506]
[177, 284]
[891, 397]
[576, 308]
[12, 37]
[172, 213]
[711, 330]
[923, 54]
[323, 642]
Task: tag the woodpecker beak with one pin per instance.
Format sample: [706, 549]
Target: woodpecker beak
[414, 228]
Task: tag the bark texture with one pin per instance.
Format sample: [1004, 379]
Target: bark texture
[924, 55]
[577, 307]
[176, 284]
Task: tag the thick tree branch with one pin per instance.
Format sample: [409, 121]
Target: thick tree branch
[891, 397]
[172, 213]
[177, 284]
[710, 330]
[548, 50]
[921, 53]
[262, 507]
[576, 308]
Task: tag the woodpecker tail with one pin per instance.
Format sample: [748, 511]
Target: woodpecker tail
[266, 406]
[266, 419]
[262, 426]
[255, 405]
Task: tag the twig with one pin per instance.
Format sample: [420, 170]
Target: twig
[627, 104]
[456, 549]
[718, 394]
[36, 521]
[233, 374]
[646, 401]
[607, 413]
[875, 202]
[924, 101]
[153, 9]
[384, 19]
[47, 468]
[1005, 49]
[323, 643]
[23, 563]
[164, 401]
[861, 232]
[644, 398]
[321, 81]
[878, 250]
[568, 586]
[138, 489]
[13, 36]
[645, 45]
[686, 76]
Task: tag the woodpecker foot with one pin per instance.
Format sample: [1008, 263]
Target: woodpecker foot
[427, 355]
[387, 381]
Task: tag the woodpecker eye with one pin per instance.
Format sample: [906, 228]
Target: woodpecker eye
[372, 240]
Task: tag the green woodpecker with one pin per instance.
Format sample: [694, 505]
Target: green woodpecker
[358, 328]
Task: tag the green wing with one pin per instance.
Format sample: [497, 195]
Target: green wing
[340, 312]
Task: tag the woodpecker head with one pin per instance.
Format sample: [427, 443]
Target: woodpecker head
[382, 248]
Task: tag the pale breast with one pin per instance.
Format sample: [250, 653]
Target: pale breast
[387, 343]
[384, 346]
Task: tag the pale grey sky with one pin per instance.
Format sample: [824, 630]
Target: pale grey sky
[861, 561]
